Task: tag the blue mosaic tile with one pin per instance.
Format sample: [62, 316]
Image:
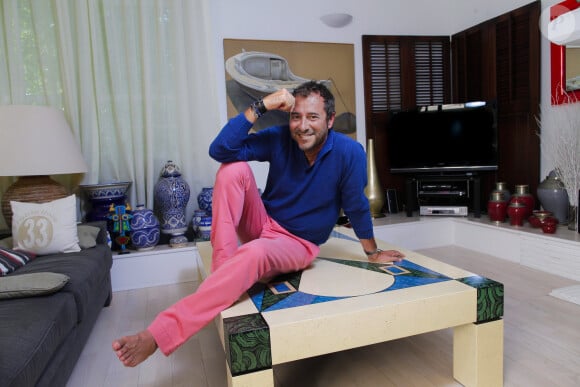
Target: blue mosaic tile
[278, 295]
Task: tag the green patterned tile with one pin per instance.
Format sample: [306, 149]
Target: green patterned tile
[247, 341]
[489, 297]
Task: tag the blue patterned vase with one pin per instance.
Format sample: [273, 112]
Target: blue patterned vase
[204, 199]
[145, 229]
[196, 221]
[171, 197]
[205, 227]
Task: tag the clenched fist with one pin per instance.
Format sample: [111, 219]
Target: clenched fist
[279, 100]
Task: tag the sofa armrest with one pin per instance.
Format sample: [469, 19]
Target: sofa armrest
[102, 225]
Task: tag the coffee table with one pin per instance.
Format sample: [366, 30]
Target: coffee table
[342, 301]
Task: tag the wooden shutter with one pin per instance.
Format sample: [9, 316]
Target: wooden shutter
[385, 75]
[431, 72]
[405, 71]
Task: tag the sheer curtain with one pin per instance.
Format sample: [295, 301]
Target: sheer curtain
[134, 78]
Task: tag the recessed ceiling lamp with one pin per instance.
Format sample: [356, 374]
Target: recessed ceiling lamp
[336, 20]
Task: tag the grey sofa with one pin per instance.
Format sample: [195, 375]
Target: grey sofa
[42, 337]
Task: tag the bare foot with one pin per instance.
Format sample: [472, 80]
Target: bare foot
[133, 350]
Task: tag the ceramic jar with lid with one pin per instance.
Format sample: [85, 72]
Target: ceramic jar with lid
[517, 212]
[501, 188]
[538, 217]
[553, 197]
[205, 199]
[523, 195]
[205, 227]
[497, 207]
[170, 199]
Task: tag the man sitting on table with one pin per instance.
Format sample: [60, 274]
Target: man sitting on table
[314, 172]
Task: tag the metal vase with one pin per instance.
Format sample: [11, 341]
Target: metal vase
[374, 191]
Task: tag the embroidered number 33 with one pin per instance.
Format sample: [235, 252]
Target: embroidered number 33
[35, 232]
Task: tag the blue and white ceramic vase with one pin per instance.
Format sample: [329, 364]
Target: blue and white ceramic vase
[205, 227]
[196, 221]
[145, 228]
[204, 199]
[171, 196]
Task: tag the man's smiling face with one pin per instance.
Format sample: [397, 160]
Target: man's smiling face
[309, 124]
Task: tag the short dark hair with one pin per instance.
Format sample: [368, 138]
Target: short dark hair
[310, 87]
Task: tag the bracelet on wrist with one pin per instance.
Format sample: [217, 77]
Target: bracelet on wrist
[369, 253]
[258, 108]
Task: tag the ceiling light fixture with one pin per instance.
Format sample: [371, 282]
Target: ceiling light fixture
[337, 20]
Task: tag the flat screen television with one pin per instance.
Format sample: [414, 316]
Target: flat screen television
[453, 138]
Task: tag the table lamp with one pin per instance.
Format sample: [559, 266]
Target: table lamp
[35, 142]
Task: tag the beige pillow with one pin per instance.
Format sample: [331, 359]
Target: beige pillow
[45, 228]
[87, 236]
[32, 284]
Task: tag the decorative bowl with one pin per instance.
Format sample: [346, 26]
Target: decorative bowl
[105, 191]
[540, 217]
[541, 214]
[535, 221]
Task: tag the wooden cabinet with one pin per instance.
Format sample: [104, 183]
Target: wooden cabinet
[500, 60]
[496, 60]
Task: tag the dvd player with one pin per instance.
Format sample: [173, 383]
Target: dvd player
[443, 210]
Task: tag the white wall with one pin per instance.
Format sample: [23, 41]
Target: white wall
[299, 21]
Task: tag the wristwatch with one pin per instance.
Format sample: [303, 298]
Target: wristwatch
[258, 108]
[369, 253]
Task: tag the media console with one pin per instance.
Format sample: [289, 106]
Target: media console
[445, 195]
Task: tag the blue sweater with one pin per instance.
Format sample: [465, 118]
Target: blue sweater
[305, 200]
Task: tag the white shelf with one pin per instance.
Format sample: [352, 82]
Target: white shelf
[557, 253]
[162, 265]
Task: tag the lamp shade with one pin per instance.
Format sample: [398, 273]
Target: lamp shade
[37, 140]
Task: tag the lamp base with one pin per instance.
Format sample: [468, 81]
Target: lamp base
[31, 189]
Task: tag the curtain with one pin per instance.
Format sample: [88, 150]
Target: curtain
[135, 79]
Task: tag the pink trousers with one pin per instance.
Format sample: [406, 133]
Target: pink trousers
[247, 245]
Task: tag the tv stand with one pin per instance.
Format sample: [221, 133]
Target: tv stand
[450, 195]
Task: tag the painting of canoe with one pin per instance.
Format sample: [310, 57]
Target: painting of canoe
[255, 69]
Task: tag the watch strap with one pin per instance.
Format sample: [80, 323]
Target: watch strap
[258, 108]
[369, 253]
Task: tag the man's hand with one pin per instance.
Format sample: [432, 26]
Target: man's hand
[279, 100]
[387, 256]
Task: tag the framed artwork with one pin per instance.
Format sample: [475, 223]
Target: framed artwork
[255, 68]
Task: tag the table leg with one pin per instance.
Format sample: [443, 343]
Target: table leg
[478, 354]
[264, 378]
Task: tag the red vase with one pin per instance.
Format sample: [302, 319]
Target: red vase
[517, 212]
[501, 187]
[523, 195]
[497, 207]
